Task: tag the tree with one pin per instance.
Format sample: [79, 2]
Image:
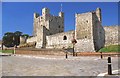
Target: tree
[17, 35]
[8, 39]
[25, 35]
[11, 39]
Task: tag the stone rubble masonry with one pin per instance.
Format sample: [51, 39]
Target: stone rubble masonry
[89, 31]
[31, 39]
[112, 35]
[91, 36]
[22, 40]
[58, 41]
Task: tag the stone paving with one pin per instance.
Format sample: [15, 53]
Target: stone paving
[55, 65]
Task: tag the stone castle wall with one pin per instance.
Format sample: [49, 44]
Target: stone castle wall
[31, 40]
[112, 35]
[84, 25]
[56, 25]
[60, 40]
[98, 30]
[23, 40]
[84, 45]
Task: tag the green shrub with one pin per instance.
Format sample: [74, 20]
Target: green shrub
[111, 48]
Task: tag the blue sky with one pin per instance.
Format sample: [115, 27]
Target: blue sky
[19, 15]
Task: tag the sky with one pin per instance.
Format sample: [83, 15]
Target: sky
[18, 16]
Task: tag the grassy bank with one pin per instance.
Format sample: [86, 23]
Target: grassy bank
[6, 51]
[111, 48]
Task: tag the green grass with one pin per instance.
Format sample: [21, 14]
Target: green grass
[6, 51]
[111, 48]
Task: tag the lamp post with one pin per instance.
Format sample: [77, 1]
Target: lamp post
[74, 42]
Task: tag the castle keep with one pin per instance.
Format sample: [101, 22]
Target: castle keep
[89, 33]
[46, 25]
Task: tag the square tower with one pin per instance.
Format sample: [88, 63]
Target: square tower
[89, 31]
[83, 25]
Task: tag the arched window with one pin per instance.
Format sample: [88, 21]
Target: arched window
[64, 38]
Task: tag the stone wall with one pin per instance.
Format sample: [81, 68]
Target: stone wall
[47, 24]
[41, 52]
[31, 40]
[41, 37]
[89, 32]
[83, 25]
[56, 25]
[84, 34]
[60, 40]
[98, 31]
[23, 40]
[84, 45]
[111, 35]
[35, 23]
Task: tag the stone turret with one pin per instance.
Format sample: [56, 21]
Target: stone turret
[61, 14]
[45, 13]
[35, 16]
[98, 13]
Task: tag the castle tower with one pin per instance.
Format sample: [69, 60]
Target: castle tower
[61, 14]
[35, 16]
[98, 13]
[47, 24]
[83, 25]
[89, 31]
[45, 13]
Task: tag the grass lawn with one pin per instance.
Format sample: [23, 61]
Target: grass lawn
[6, 51]
[111, 48]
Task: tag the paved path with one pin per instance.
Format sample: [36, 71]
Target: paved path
[55, 66]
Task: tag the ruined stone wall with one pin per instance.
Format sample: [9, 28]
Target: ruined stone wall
[47, 24]
[84, 25]
[39, 37]
[84, 45]
[32, 39]
[35, 23]
[56, 25]
[89, 31]
[98, 32]
[84, 33]
[111, 35]
[60, 40]
[23, 40]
